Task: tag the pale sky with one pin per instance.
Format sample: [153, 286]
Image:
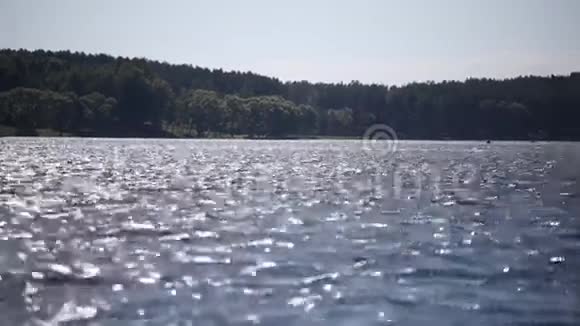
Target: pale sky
[383, 41]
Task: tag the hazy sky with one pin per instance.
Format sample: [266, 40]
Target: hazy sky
[383, 41]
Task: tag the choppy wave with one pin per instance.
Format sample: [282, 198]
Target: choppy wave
[112, 232]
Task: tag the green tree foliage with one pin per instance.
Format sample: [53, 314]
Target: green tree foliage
[143, 100]
[97, 110]
[111, 96]
[204, 110]
[32, 108]
[338, 121]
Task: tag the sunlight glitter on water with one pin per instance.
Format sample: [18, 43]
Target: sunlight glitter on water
[288, 232]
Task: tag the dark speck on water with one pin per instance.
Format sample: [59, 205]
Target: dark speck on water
[238, 232]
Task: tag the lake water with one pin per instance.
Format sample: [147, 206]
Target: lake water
[238, 232]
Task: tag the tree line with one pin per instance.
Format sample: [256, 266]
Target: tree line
[100, 95]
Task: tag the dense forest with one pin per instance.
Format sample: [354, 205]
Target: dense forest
[99, 95]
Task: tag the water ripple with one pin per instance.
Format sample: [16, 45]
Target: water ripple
[171, 232]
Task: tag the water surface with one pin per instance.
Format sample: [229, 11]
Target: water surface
[237, 232]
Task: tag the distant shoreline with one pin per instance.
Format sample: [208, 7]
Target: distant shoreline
[12, 132]
[61, 93]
